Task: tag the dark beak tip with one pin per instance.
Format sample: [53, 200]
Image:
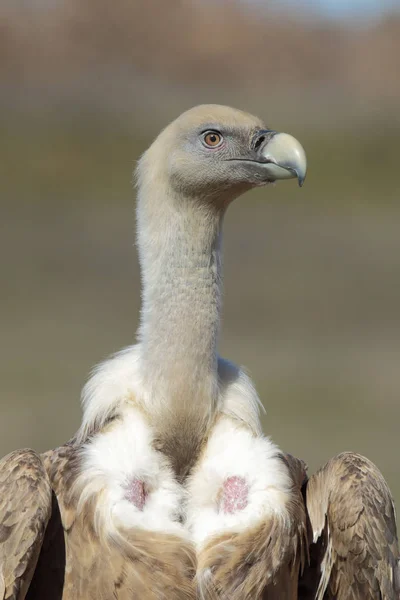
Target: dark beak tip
[301, 181]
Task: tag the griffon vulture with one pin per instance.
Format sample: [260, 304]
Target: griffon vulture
[169, 490]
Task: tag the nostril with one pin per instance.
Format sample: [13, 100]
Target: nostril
[259, 141]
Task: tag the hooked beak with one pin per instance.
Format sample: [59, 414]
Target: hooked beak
[283, 157]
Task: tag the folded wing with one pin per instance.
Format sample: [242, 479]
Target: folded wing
[25, 509]
[355, 552]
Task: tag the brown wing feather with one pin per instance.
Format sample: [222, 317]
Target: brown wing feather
[25, 509]
[353, 524]
[48, 580]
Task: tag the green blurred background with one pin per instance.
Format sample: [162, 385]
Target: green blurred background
[312, 276]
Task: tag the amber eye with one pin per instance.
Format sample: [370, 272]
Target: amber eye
[212, 139]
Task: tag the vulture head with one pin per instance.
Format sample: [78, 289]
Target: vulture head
[216, 153]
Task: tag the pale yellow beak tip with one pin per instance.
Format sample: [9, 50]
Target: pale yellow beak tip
[287, 158]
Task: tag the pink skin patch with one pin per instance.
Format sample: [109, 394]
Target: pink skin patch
[234, 495]
[136, 493]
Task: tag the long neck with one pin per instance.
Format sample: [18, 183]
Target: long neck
[179, 247]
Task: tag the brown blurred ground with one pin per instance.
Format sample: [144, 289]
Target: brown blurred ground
[312, 276]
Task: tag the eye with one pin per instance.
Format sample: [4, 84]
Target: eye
[212, 139]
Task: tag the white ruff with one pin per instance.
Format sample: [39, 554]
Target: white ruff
[118, 382]
[112, 460]
[234, 451]
[115, 457]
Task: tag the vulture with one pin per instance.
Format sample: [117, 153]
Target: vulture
[169, 490]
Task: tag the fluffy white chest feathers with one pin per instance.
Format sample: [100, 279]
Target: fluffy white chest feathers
[135, 484]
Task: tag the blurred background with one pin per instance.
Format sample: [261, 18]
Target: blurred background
[312, 276]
